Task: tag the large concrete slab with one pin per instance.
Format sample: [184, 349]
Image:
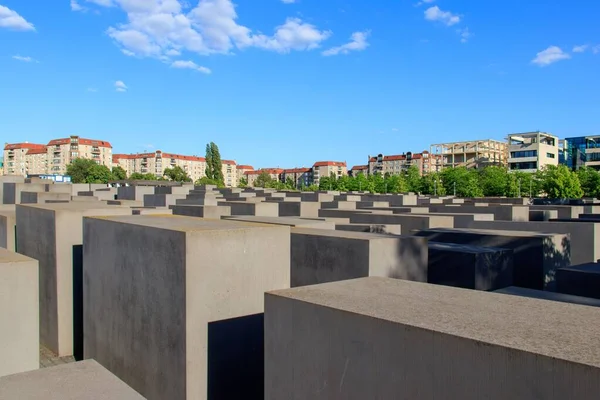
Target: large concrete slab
[469, 267]
[173, 305]
[370, 228]
[537, 256]
[579, 280]
[212, 212]
[43, 197]
[409, 222]
[75, 381]
[52, 234]
[299, 209]
[320, 256]
[377, 338]
[19, 313]
[11, 193]
[287, 221]
[551, 296]
[259, 209]
[501, 212]
[7, 229]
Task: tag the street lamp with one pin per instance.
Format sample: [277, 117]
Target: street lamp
[435, 187]
[455, 189]
[519, 192]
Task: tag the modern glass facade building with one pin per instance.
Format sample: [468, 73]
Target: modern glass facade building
[582, 151]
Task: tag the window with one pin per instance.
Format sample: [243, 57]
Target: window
[523, 165]
[523, 154]
[550, 155]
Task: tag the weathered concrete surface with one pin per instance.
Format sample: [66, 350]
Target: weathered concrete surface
[211, 212]
[501, 213]
[256, 209]
[50, 233]
[409, 222]
[133, 192]
[579, 280]
[552, 296]
[75, 381]
[585, 236]
[469, 267]
[542, 215]
[370, 228]
[7, 229]
[19, 313]
[173, 305]
[537, 256]
[287, 221]
[299, 209]
[377, 338]
[11, 193]
[320, 256]
[162, 200]
[42, 197]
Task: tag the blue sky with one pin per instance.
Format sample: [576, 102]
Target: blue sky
[287, 83]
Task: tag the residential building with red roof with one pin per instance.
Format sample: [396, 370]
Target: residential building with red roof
[302, 177]
[241, 170]
[274, 173]
[157, 162]
[15, 157]
[323, 169]
[359, 169]
[229, 173]
[396, 164]
[62, 152]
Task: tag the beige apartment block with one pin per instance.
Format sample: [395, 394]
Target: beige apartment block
[359, 169]
[37, 161]
[471, 154]
[322, 169]
[15, 157]
[157, 162]
[531, 151]
[229, 173]
[396, 164]
[62, 152]
[241, 172]
[274, 173]
[302, 177]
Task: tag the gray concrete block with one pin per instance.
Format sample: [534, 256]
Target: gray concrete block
[19, 314]
[262, 209]
[52, 234]
[370, 228]
[579, 280]
[537, 256]
[299, 209]
[542, 215]
[162, 200]
[173, 305]
[377, 338]
[133, 192]
[211, 212]
[7, 229]
[11, 193]
[43, 197]
[74, 381]
[501, 212]
[469, 267]
[287, 221]
[551, 296]
[320, 256]
[409, 222]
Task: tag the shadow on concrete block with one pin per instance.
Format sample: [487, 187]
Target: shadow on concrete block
[236, 358]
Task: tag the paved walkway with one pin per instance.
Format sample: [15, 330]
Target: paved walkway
[49, 359]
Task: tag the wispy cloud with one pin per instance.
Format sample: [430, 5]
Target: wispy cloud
[75, 6]
[446, 17]
[420, 3]
[91, 89]
[358, 42]
[465, 34]
[190, 65]
[549, 56]
[580, 49]
[12, 20]
[120, 86]
[288, 1]
[25, 59]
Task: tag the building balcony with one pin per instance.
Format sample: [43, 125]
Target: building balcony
[522, 159]
[95, 150]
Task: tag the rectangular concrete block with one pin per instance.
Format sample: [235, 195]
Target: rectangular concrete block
[257, 209]
[469, 267]
[19, 313]
[173, 305]
[320, 256]
[537, 256]
[287, 221]
[377, 338]
[162, 200]
[501, 213]
[409, 222]
[7, 229]
[11, 193]
[551, 296]
[370, 228]
[81, 380]
[299, 209]
[52, 234]
[43, 197]
[211, 212]
[133, 192]
[579, 280]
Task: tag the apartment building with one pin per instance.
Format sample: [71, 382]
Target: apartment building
[15, 157]
[229, 173]
[323, 169]
[359, 169]
[274, 173]
[241, 171]
[37, 161]
[531, 151]
[581, 151]
[396, 164]
[470, 154]
[302, 177]
[62, 152]
[157, 162]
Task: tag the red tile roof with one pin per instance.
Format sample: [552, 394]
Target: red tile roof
[158, 153]
[15, 146]
[359, 167]
[296, 170]
[42, 150]
[227, 162]
[88, 142]
[329, 163]
[245, 167]
[270, 171]
[399, 157]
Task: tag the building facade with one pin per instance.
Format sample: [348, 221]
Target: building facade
[157, 162]
[470, 154]
[15, 157]
[531, 151]
[62, 152]
[241, 172]
[322, 169]
[274, 173]
[359, 169]
[229, 173]
[37, 161]
[582, 151]
[302, 177]
[397, 164]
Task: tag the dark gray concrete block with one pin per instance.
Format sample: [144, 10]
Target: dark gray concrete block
[370, 228]
[212, 212]
[409, 222]
[580, 280]
[551, 296]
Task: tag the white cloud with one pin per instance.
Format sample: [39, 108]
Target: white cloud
[190, 65]
[104, 3]
[420, 3]
[465, 34]
[120, 86]
[551, 55]
[93, 90]
[580, 49]
[358, 42]
[163, 29]
[75, 6]
[25, 59]
[446, 17]
[288, 1]
[596, 49]
[10, 19]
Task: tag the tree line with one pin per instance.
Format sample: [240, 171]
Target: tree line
[84, 170]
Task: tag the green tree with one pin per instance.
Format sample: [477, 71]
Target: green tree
[79, 169]
[589, 179]
[466, 182]
[243, 182]
[207, 181]
[289, 183]
[217, 166]
[311, 188]
[119, 173]
[264, 180]
[413, 179]
[431, 184]
[209, 162]
[177, 174]
[136, 176]
[99, 174]
[494, 181]
[559, 182]
[397, 184]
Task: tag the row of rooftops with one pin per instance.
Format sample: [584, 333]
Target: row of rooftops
[41, 148]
